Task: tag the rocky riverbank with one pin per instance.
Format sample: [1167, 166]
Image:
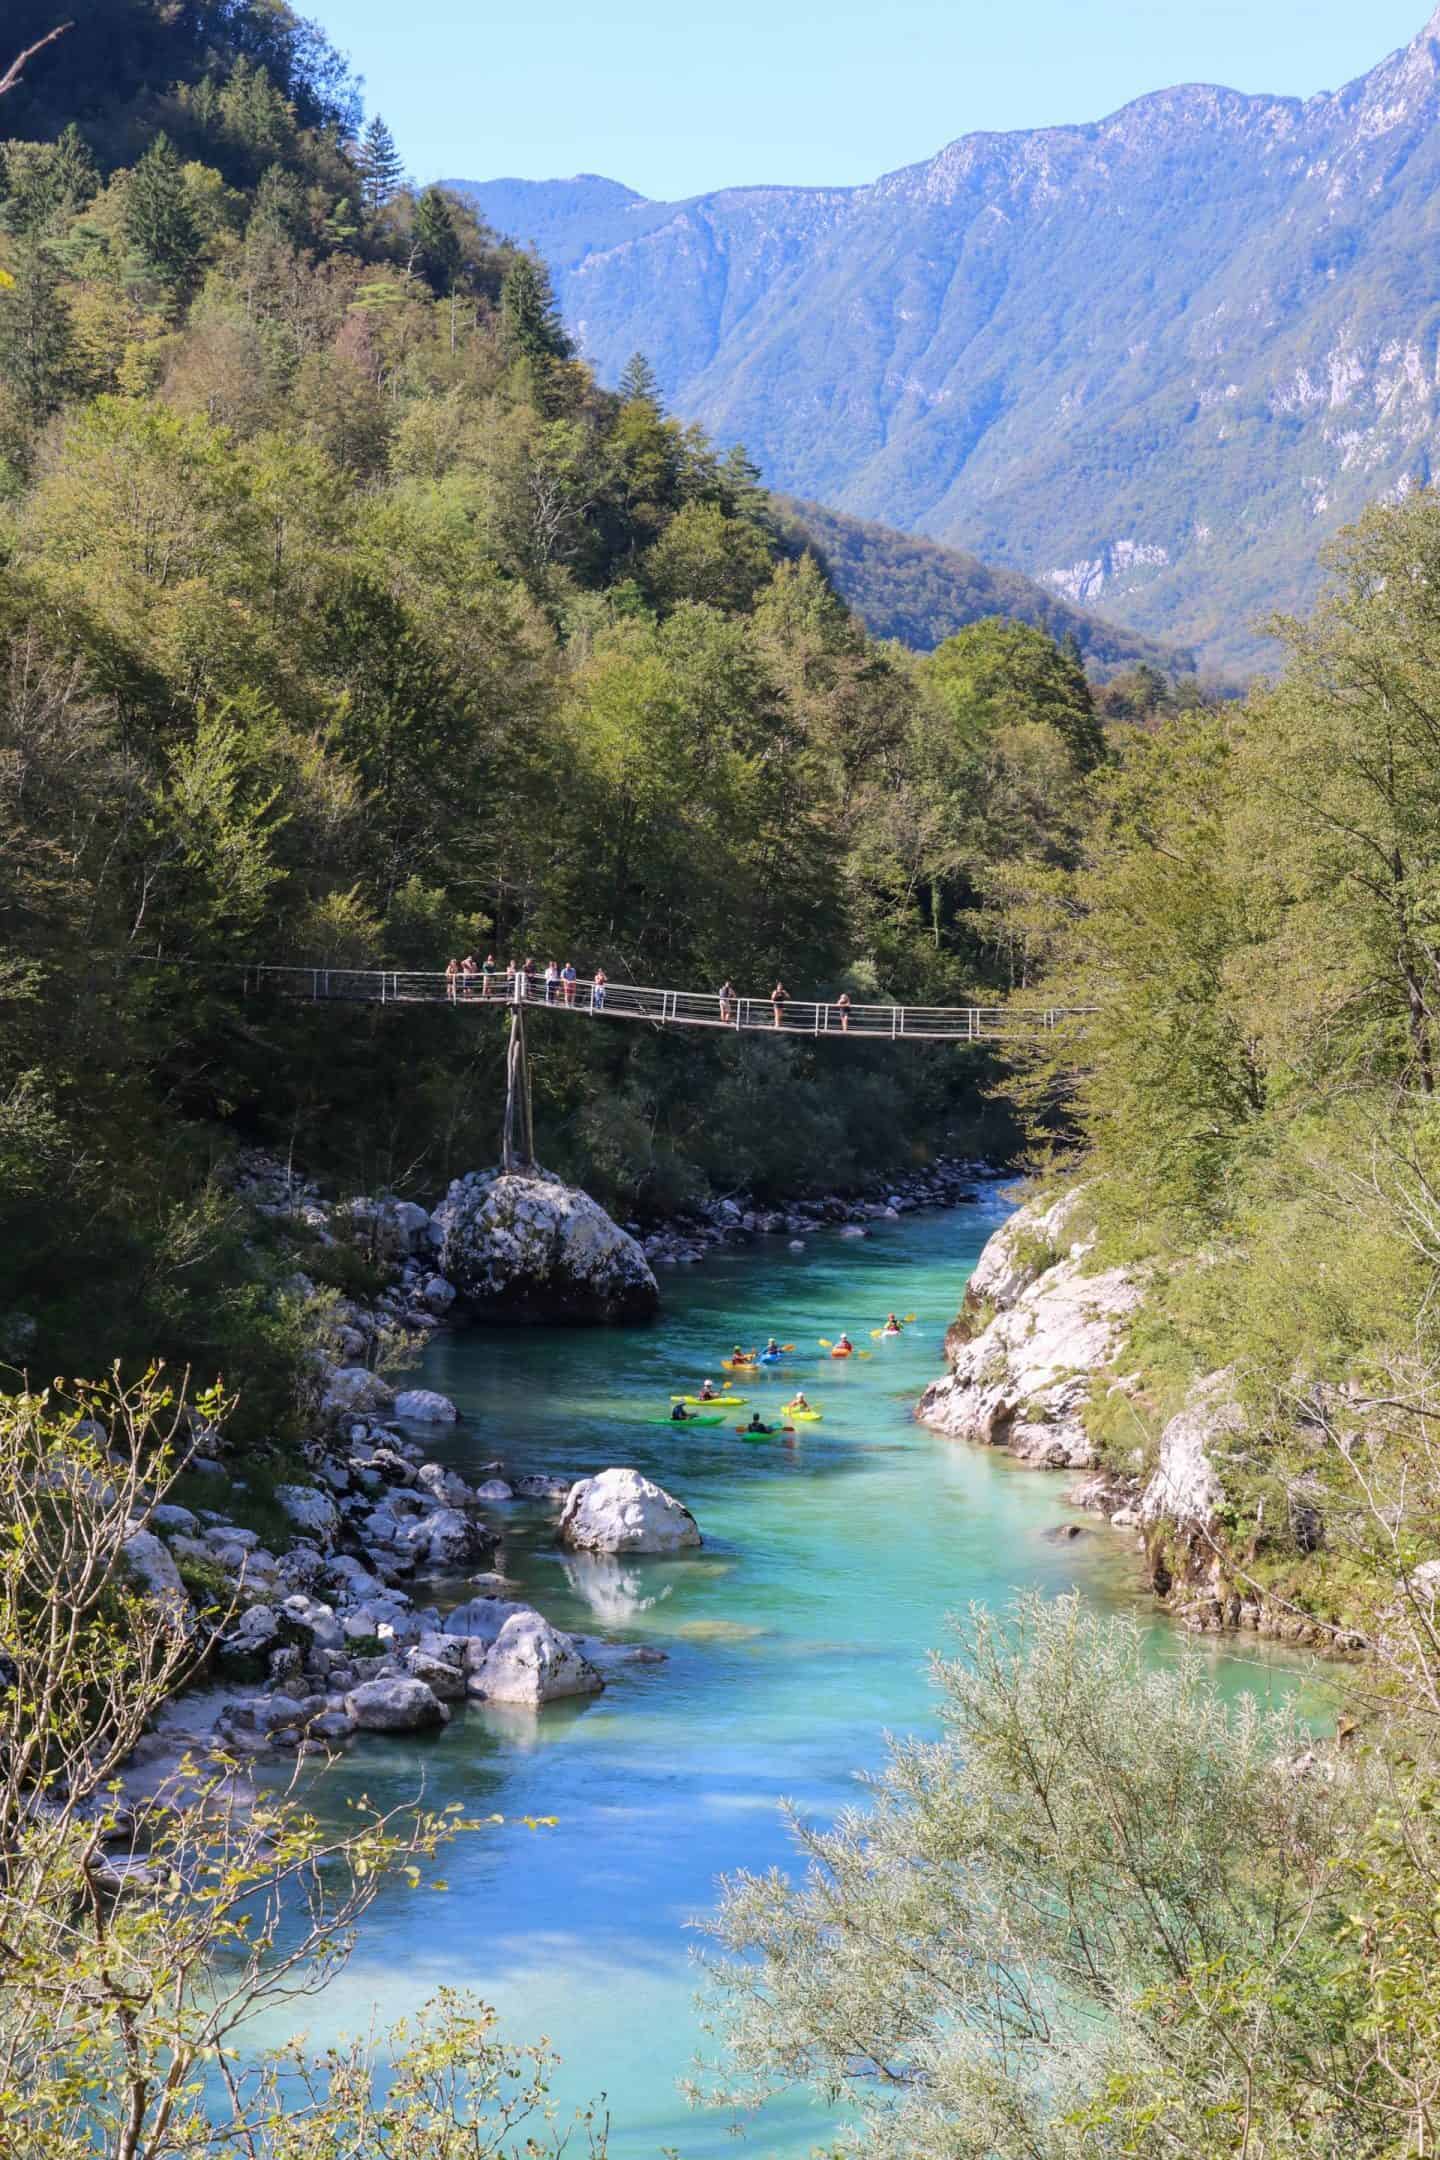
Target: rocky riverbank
[1039, 1342]
[387, 1602]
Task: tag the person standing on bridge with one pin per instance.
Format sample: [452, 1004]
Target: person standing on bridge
[452, 973]
[468, 971]
[779, 999]
[527, 977]
[842, 1006]
[569, 978]
[597, 990]
[727, 1003]
[510, 981]
[487, 974]
[552, 981]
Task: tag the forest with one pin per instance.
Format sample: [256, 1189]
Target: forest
[346, 620]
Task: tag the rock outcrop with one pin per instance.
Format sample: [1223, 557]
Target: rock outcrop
[532, 1662]
[525, 1247]
[1034, 1331]
[622, 1512]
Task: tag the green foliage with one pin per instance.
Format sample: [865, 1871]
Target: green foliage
[1099, 1913]
[159, 221]
[380, 165]
[530, 325]
[132, 2034]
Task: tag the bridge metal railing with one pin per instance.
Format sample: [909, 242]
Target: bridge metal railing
[665, 1008]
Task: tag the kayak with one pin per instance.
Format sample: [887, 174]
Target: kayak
[712, 1402]
[888, 1334]
[771, 1357]
[684, 1424]
[779, 1433]
[738, 1364]
[804, 1417]
[842, 1353]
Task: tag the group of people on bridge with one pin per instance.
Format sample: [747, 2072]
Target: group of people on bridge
[519, 981]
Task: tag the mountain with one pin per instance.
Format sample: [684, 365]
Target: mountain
[1155, 361]
[921, 593]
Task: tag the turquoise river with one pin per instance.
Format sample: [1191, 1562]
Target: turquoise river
[795, 1639]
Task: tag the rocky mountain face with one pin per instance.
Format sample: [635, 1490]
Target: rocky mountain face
[1155, 362]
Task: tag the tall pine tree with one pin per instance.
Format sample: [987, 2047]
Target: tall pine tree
[529, 319]
[381, 167]
[438, 253]
[639, 383]
[159, 223]
[36, 345]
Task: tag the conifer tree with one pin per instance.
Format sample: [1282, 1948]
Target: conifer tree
[381, 167]
[436, 242]
[640, 382]
[36, 345]
[529, 319]
[159, 223]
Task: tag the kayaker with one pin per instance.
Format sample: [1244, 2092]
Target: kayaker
[844, 1346]
[757, 1426]
[708, 1391]
[772, 1348]
[893, 1327]
[680, 1415]
[796, 1403]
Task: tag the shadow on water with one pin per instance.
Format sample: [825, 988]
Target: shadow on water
[794, 1640]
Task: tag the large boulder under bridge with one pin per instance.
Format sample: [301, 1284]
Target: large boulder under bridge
[523, 1246]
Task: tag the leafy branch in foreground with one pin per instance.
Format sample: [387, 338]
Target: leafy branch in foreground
[140, 1939]
[1104, 1914]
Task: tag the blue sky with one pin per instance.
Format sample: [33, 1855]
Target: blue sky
[675, 97]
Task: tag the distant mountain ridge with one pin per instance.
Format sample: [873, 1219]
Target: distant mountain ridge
[916, 590]
[1154, 361]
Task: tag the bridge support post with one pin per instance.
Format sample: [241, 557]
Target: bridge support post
[517, 1139]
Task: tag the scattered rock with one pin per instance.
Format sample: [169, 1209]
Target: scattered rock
[310, 1509]
[354, 1388]
[423, 1406]
[151, 1565]
[621, 1511]
[532, 1662]
[398, 1704]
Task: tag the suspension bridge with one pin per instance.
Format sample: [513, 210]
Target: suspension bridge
[596, 999]
[592, 999]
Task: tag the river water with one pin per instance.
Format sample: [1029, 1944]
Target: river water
[795, 1639]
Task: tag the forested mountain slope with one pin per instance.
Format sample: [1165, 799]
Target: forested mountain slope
[1155, 361]
[915, 590]
[346, 619]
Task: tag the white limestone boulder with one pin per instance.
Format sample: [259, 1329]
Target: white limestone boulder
[354, 1391]
[151, 1567]
[621, 1511]
[1020, 1378]
[399, 1704]
[425, 1406]
[532, 1662]
[1186, 1489]
[311, 1510]
[525, 1247]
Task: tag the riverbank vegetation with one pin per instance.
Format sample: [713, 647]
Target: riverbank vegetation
[143, 1933]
